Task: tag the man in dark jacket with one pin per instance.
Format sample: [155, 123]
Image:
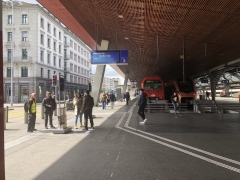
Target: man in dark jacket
[142, 103]
[127, 97]
[32, 109]
[112, 99]
[49, 105]
[87, 107]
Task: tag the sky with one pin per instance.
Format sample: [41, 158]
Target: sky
[109, 72]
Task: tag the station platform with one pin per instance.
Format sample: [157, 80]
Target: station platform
[191, 146]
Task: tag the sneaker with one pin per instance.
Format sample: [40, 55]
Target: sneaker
[34, 129]
[92, 128]
[142, 123]
[75, 127]
[145, 120]
[53, 127]
[46, 127]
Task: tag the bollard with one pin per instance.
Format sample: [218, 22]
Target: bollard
[25, 117]
[42, 112]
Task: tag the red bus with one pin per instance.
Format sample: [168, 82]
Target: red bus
[154, 87]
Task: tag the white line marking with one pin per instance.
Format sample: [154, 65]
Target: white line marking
[177, 148]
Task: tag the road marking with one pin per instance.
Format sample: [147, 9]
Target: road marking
[177, 148]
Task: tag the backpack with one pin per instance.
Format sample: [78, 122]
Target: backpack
[26, 106]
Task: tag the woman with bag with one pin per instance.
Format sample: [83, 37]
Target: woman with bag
[77, 102]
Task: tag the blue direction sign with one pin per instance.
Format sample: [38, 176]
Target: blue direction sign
[119, 57]
[133, 80]
[225, 81]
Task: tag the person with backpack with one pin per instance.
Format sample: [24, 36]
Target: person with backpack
[49, 105]
[142, 103]
[87, 107]
[31, 108]
[112, 99]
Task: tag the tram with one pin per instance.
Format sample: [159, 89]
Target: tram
[154, 87]
[186, 90]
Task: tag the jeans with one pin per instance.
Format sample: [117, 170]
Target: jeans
[112, 104]
[103, 104]
[175, 105]
[80, 115]
[48, 114]
[141, 112]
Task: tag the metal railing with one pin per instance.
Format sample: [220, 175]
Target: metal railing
[18, 59]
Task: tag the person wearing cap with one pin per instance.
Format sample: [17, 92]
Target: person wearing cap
[142, 103]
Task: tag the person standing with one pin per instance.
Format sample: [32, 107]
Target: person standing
[103, 100]
[77, 102]
[207, 95]
[32, 109]
[112, 99]
[142, 103]
[87, 107]
[127, 97]
[48, 109]
[174, 100]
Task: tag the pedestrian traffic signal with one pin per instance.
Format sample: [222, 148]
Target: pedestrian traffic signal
[54, 80]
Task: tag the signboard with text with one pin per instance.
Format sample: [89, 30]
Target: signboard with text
[118, 57]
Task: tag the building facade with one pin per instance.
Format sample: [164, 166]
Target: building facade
[42, 46]
[108, 84]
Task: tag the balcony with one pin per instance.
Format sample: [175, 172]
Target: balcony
[66, 44]
[66, 69]
[24, 43]
[18, 59]
[66, 56]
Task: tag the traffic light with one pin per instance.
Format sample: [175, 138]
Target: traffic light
[54, 80]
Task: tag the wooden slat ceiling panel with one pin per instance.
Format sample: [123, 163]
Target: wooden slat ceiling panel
[156, 28]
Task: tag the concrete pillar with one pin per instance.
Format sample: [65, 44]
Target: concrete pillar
[125, 83]
[98, 78]
[2, 162]
[214, 78]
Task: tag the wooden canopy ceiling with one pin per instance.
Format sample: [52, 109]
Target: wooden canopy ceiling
[153, 32]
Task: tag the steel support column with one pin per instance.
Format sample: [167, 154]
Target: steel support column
[98, 78]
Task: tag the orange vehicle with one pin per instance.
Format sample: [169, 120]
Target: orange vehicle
[186, 91]
[154, 87]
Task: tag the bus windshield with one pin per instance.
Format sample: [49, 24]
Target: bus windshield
[152, 85]
[186, 86]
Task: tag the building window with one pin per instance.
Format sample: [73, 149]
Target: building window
[48, 42]
[42, 39]
[48, 58]
[24, 54]
[24, 71]
[24, 35]
[75, 57]
[9, 36]
[24, 19]
[8, 71]
[65, 40]
[41, 72]
[48, 74]
[71, 67]
[71, 55]
[71, 43]
[60, 35]
[9, 19]
[9, 54]
[54, 46]
[49, 28]
[59, 62]
[60, 48]
[42, 22]
[78, 49]
[75, 46]
[54, 31]
[41, 56]
[54, 60]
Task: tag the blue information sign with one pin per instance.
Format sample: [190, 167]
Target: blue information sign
[119, 57]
